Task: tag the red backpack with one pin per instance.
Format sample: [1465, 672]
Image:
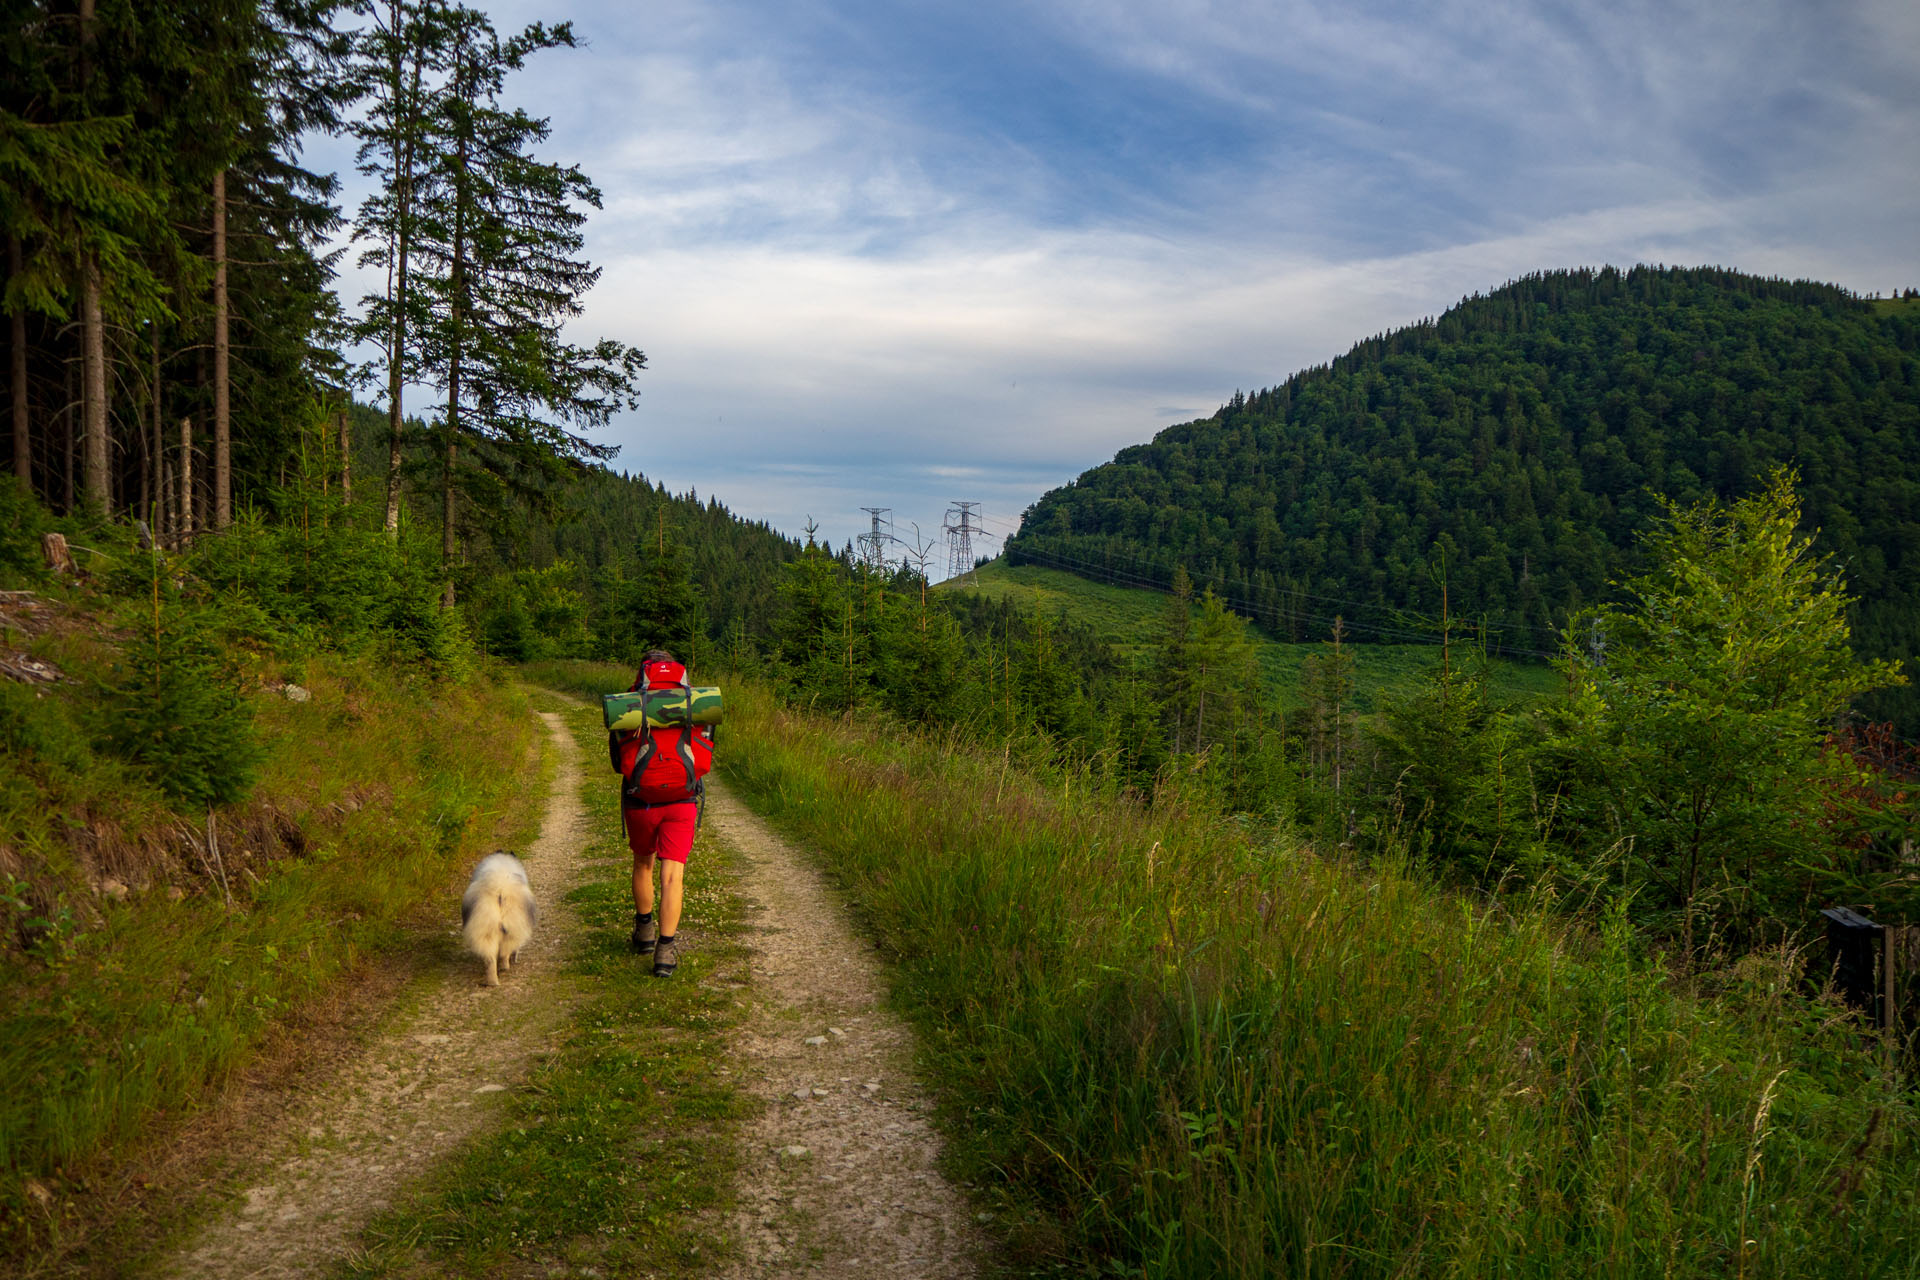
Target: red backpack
[662, 766]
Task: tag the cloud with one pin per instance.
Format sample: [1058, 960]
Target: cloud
[882, 254]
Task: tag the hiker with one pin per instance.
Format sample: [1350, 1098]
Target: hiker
[662, 793]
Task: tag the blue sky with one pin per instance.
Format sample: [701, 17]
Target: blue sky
[897, 254]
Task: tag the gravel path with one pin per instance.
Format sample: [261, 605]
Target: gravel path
[838, 1171]
[419, 1090]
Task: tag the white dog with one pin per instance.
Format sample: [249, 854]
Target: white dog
[498, 912]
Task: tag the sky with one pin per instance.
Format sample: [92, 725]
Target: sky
[901, 254]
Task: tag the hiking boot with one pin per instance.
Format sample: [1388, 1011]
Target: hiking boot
[665, 959]
[644, 933]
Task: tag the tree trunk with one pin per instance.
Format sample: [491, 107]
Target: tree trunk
[405, 98]
[17, 350]
[346, 460]
[222, 421]
[185, 529]
[93, 393]
[159, 446]
[456, 317]
[69, 432]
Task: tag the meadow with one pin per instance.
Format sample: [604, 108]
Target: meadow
[1130, 618]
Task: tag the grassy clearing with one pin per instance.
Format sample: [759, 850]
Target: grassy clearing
[124, 1011]
[618, 1153]
[1130, 618]
[1182, 1047]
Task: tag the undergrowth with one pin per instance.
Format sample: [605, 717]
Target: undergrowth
[1182, 1045]
[618, 1151]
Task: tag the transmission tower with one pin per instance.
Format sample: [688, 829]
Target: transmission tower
[873, 544]
[960, 529]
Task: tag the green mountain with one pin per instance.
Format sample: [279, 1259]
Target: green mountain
[1522, 440]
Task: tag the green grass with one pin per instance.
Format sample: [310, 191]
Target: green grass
[1897, 306]
[618, 1153]
[126, 1011]
[1179, 1046]
[1129, 619]
[582, 678]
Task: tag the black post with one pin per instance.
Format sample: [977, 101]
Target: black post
[1850, 945]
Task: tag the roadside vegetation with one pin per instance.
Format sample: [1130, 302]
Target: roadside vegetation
[240, 776]
[1177, 1043]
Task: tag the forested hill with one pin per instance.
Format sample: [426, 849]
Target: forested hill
[1522, 437]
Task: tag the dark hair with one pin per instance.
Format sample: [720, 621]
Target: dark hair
[648, 659]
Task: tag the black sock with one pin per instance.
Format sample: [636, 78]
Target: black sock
[666, 939]
[642, 917]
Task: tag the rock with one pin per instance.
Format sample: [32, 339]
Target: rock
[491, 1088]
[803, 1094]
[112, 888]
[795, 1153]
[294, 693]
[39, 1193]
[822, 1093]
[835, 1032]
[816, 1039]
[871, 1086]
[175, 893]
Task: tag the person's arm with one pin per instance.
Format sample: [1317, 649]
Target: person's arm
[614, 740]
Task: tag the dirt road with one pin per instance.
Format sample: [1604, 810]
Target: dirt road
[838, 1165]
[419, 1090]
[839, 1171]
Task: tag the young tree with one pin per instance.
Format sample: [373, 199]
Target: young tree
[661, 606]
[1331, 723]
[1702, 731]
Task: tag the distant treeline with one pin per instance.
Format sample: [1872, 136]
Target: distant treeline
[1512, 450]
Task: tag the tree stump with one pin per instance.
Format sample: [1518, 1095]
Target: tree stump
[53, 546]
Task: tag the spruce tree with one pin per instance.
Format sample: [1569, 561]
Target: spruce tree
[498, 235]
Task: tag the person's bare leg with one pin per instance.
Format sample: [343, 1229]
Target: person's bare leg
[671, 884]
[643, 886]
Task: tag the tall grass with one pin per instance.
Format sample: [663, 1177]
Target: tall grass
[130, 1008]
[1184, 1047]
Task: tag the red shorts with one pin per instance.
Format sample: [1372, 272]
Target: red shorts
[665, 831]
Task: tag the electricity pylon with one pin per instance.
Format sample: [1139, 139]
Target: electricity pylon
[960, 528]
[873, 544]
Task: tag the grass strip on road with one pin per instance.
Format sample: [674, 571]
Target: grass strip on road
[618, 1153]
